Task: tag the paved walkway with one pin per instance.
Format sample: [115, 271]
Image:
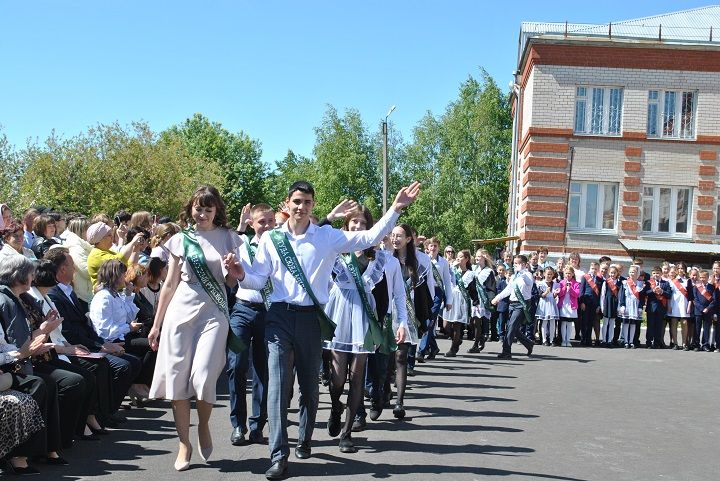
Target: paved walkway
[564, 414]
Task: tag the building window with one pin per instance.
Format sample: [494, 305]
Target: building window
[666, 210]
[671, 114]
[598, 110]
[592, 206]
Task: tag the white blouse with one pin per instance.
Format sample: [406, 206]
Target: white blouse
[111, 314]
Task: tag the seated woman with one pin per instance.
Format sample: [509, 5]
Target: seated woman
[157, 270]
[89, 426]
[12, 236]
[44, 230]
[64, 390]
[22, 429]
[137, 342]
[113, 312]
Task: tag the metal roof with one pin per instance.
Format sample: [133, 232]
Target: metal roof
[669, 246]
[696, 25]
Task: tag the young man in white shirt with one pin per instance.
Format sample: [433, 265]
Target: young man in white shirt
[293, 329]
[443, 294]
[521, 284]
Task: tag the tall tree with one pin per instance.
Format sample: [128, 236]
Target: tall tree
[463, 157]
[345, 162]
[292, 168]
[237, 155]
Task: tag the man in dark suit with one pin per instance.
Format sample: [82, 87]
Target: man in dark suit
[123, 368]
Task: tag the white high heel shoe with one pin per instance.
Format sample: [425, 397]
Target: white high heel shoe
[181, 465]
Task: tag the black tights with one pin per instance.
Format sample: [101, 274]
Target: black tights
[457, 332]
[481, 325]
[400, 368]
[341, 364]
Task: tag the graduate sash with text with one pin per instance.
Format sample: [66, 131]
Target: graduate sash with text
[523, 302]
[196, 259]
[267, 290]
[653, 285]
[374, 336]
[290, 261]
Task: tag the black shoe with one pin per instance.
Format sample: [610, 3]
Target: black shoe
[256, 437]
[26, 471]
[303, 451]
[334, 424]
[376, 410]
[450, 354]
[473, 350]
[706, 349]
[346, 445]
[530, 349]
[504, 355]
[278, 470]
[59, 461]
[410, 371]
[433, 353]
[237, 438]
[86, 437]
[359, 425]
[99, 432]
[420, 358]
[399, 411]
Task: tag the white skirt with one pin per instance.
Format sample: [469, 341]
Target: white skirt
[346, 308]
[459, 310]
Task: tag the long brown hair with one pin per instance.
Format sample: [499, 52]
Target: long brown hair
[208, 196]
[369, 222]
[109, 275]
[411, 261]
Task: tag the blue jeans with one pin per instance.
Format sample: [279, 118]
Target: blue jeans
[514, 329]
[428, 339]
[248, 323]
[293, 341]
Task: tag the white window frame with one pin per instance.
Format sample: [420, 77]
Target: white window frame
[599, 207]
[584, 94]
[672, 220]
[657, 98]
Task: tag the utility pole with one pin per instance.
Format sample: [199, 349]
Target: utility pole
[385, 168]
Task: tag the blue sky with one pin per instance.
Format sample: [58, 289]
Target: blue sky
[269, 68]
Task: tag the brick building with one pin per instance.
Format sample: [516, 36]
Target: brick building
[616, 138]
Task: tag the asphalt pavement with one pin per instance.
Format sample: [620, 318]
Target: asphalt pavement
[563, 414]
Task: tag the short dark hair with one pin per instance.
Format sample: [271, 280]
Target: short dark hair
[522, 258]
[45, 275]
[303, 186]
[57, 256]
[134, 232]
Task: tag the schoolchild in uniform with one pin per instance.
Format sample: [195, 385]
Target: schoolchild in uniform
[658, 296]
[547, 312]
[715, 281]
[567, 301]
[559, 275]
[618, 319]
[704, 298]
[590, 286]
[575, 260]
[608, 306]
[602, 274]
[443, 296]
[503, 306]
[680, 305]
[630, 302]
[485, 289]
[519, 290]
[458, 315]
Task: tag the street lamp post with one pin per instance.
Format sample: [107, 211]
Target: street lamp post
[385, 158]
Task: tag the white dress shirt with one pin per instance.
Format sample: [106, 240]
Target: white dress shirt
[243, 294]
[111, 314]
[316, 251]
[443, 268]
[396, 290]
[524, 281]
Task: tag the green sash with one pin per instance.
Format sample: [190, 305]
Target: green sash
[410, 306]
[290, 261]
[374, 336]
[196, 259]
[267, 290]
[438, 278]
[461, 286]
[482, 293]
[525, 305]
[388, 345]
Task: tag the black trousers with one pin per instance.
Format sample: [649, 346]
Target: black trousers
[139, 347]
[45, 394]
[588, 320]
[100, 369]
[514, 331]
[74, 397]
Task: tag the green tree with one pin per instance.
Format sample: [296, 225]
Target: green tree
[462, 158]
[11, 169]
[236, 154]
[345, 162]
[111, 167]
[292, 168]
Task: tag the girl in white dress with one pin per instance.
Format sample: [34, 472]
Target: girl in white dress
[631, 299]
[485, 291]
[458, 315]
[547, 312]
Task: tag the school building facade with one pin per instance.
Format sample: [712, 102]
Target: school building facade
[616, 139]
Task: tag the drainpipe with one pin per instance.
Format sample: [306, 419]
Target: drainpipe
[514, 156]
